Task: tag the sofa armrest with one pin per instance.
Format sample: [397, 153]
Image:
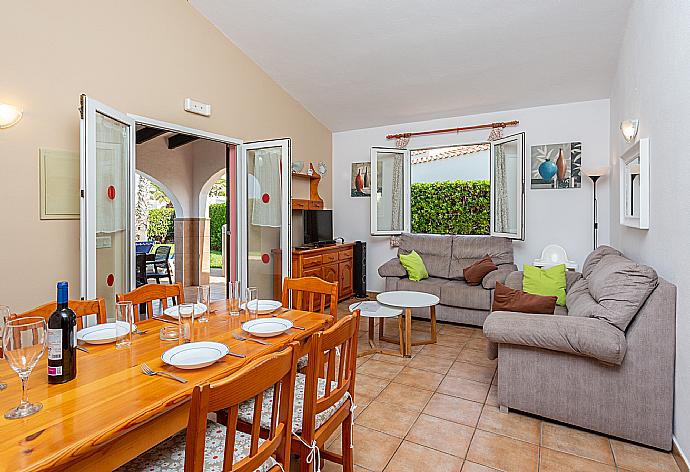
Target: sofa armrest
[392, 268]
[514, 280]
[498, 275]
[588, 337]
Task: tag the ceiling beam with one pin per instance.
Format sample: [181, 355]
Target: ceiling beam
[178, 140]
[147, 133]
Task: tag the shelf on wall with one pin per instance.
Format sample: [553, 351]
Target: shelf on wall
[314, 202]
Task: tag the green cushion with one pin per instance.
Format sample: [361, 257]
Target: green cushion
[548, 282]
[414, 265]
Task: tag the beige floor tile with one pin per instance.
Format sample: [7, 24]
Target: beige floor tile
[464, 388]
[362, 360]
[405, 396]
[441, 351]
[555, 461]
[515, 425]
[398, 360]
[369, 385]
[472, 467]
[442, 435]
[362, 400]
[642, 459]
[474, 372]
[456, 329]
[503, 453]
[476, 357]
[387, 418]
[478, 343]
[380, 369]
[492, 397]
[577, 442]
[431, 363]
[419, 378]
[333, 467]
[452, 340]
[373, 449]
[454, 409]
[411, 457]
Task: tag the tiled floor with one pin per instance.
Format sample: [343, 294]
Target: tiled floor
[438, 412]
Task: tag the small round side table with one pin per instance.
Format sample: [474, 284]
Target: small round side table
[371, 310]
[408, 299]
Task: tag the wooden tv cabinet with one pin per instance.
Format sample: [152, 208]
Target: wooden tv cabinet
[332, 263]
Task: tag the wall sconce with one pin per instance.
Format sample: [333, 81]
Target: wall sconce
[9, 115]
[629, 129]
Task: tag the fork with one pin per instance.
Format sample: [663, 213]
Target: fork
[82, 348]
[149, 371]
[234, 354]
[138, 331]
[242, 338]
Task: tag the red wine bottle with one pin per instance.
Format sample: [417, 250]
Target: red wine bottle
[62, 340]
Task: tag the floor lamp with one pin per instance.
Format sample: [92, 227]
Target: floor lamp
[594, 175]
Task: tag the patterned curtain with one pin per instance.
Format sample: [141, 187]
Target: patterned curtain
[397, 191]
[265, 198]
[500, 180]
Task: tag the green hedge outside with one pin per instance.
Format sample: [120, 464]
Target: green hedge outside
[161, 225]
[216, 212]
[459, 207]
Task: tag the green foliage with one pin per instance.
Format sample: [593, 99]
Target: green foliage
[216, 212]
[216, 260]
[161, 225]
[459, 207]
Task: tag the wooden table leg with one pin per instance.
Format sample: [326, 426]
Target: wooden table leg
[433, 323]
[381, 323]
[408, 332]
[401, 338]
[371, 332]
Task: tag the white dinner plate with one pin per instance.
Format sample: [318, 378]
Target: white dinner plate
[195, 355]
[265, 306]
[199, 309]
[267, 327]
[102, 333]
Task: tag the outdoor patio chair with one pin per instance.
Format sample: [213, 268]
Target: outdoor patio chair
[159, 267]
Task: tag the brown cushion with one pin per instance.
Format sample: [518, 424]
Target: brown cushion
[508, 299]
[475, 273]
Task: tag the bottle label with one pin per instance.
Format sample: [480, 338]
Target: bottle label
[55, 345]
[54, 371]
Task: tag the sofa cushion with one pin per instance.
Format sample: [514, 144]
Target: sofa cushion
[594, 258]
[576, 291]
[475, 273]
[570, 278]
[414, 265]
[431, 285]
[458, 294]
[621, 287]
[547, 282]
[508, 299]
[469, 249]
[498, 275]
[433, 248]
[392, 268]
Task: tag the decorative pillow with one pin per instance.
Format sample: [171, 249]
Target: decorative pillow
[595, 257]
[414, 265]
[548, 282]
[475, 273]
[507, 299]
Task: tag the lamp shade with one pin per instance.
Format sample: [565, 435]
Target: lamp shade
[9, 115]
[629, 129]
[596, 172]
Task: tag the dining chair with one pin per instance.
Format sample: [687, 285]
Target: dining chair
[324, 397]
[159, 263]
[147, 294]
[215, 446]
[311, 294]
[80, 307]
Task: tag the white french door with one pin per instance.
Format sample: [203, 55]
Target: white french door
[107, 195]
[508, 187]
[264, 215]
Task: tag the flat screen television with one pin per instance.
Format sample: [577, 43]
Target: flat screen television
[318, 226]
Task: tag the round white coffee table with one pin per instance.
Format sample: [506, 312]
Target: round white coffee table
[407, 300]
[372, 309]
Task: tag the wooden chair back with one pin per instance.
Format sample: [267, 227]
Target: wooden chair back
[311, 294]
[146, 294]
[80, 307]
[276, 370]
[333, 357]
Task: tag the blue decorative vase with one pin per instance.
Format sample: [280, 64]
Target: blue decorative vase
[547, 170]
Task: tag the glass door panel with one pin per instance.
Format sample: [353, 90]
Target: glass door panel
[508, 187]
[390, 191]
[266, 194]
[107, 219]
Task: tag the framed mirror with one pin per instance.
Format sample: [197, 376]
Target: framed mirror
[634, 185]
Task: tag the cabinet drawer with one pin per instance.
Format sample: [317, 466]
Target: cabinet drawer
[315, 205]
[346, 254]
[330, 257]
[311, 261]
[299, 204]
[317, 272]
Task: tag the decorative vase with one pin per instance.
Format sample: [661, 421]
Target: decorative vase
[358, 181]
[547, 170]
[560, 164]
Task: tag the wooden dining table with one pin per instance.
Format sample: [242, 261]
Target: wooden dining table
[112, 412]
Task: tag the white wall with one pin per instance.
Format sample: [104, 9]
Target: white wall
[552, 216]
[651, 84]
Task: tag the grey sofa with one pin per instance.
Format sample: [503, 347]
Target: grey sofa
[605, 362]
[445, 256]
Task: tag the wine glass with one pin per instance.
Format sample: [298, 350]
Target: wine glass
[23, 342]
[203, 296]
[234, 295]
[4, 316]
[252, 302]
